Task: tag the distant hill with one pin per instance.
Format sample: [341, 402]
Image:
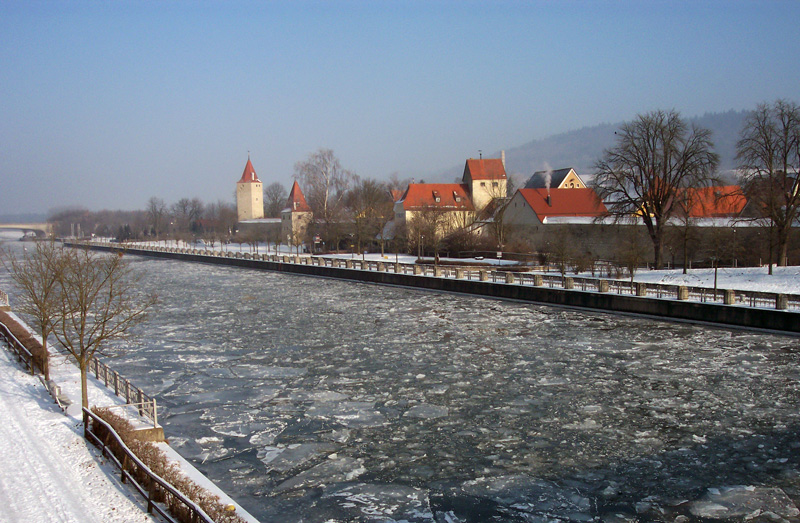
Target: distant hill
[580, 149]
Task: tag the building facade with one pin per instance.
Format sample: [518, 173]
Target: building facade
[249, 195]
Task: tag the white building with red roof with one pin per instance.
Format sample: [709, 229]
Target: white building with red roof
[249, 194]
[532, 207]
[450, 206]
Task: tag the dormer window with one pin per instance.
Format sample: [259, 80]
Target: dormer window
[456, 197]
[436, 197]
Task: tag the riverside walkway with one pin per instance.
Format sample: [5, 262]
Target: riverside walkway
[724, 307]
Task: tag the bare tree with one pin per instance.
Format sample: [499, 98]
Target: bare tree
[157, 214]
[427, 227]
[656, 157]
[325, 183]
[275, 196]
[98, 302]
[370, 205]
[37, 276]
[769, 158]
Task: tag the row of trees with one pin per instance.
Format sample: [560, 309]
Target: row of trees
[658, 157]
[82, 299]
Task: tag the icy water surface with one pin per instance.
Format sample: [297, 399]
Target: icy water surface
[319, 400]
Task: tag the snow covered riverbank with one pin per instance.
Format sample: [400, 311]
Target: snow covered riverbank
[48, 472]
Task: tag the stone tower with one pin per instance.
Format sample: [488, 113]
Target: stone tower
[296, 217]
[249, 194]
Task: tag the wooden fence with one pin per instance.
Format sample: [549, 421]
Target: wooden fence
[131, 467]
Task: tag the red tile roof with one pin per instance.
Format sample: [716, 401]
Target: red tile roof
[716, 202]
[296, 201]
[249, 175]
[452, 196]
[563, 202]
[484, 169]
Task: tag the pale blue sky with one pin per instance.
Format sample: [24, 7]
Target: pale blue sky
[105, 104]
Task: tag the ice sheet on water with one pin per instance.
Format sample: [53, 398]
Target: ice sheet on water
[334, 470]
[351, 414]
[747, 502]
[523, 494]
[283, 458]
[426, 411]
[267, 372]
[379, 502]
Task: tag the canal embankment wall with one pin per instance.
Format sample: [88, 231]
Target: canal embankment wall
[733, 314]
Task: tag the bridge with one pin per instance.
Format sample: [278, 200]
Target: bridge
[41, 229]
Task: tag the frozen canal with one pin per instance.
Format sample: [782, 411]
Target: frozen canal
[323, 401]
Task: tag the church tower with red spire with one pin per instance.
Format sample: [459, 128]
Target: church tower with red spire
[249, 194]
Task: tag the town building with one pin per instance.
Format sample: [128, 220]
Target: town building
[444, 207]
[533, 207]
[296, 217]
[249, 195]
[559, 179]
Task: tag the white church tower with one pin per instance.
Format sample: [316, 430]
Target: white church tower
[249, 194]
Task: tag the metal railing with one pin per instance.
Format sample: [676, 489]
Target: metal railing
[753, 299]
[131, 466]
[16, 346]
[123, 388]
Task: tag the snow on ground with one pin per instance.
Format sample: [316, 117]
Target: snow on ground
[784, 280]
[48, 472]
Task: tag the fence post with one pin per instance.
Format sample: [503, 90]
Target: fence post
[683, 292]
[602, 286]
[641, 289]
[729, 297]
[781, 301]
[509, 277]
[569, 282]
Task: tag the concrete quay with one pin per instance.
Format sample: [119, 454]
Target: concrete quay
[665, 302]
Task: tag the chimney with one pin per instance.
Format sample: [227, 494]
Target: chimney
[503, 159]
[549, 201]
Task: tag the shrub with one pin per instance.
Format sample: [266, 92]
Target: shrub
[155, 459]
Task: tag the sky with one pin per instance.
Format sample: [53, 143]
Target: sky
[105, 104]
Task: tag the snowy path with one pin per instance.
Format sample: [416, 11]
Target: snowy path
[47, 472]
